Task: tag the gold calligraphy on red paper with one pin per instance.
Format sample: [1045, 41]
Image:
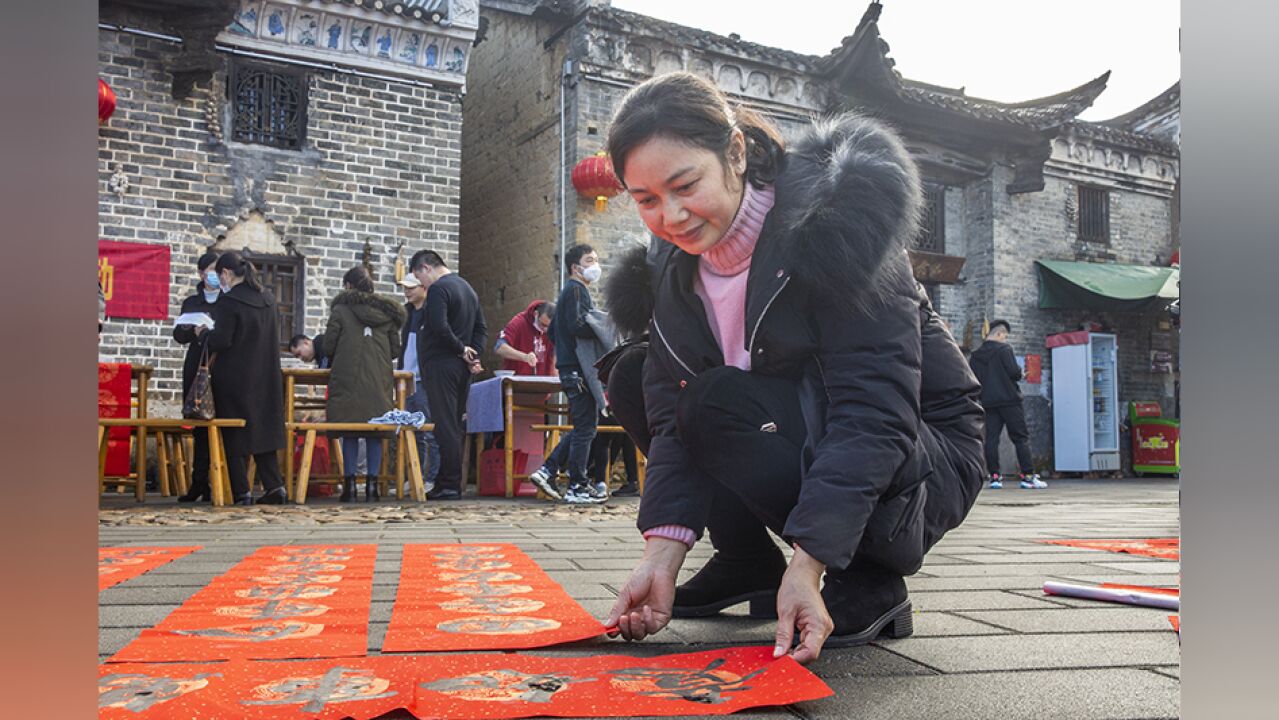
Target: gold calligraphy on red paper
[480, 597]
[307, 601]
[115, 565]
[716, 682]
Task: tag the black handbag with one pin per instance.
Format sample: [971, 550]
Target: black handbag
[198, 404]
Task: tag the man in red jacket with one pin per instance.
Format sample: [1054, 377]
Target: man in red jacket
[524, 345]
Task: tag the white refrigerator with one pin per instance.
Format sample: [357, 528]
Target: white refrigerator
[1085, 402]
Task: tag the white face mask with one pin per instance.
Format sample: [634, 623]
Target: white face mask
[592, 273]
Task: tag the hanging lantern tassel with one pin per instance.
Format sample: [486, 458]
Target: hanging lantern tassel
[593, 178]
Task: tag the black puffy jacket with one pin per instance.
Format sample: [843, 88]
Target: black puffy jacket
[831, 303]
[997, 370]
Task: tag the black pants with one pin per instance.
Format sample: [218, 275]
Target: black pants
[1014, 418]
[722, 416]
[605, 448]
[237, 461]
[447, 382]
[583, 414]
[200, 463]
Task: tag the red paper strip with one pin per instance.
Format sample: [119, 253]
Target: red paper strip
[115, 565]
[480, 597]
[1176, 623]
[1162, 548]
[715, 682]
[296, 601]
[1175, 592]
[134, 278]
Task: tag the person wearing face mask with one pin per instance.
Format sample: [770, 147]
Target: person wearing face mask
[525, 346]
[569, 326]
[797, 382]
[246, 378]
[206, 294]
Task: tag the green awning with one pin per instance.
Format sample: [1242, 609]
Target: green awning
[1105, 286]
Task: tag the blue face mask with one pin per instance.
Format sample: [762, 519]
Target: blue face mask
[211, 281]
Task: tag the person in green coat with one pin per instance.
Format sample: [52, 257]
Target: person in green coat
[362, 342]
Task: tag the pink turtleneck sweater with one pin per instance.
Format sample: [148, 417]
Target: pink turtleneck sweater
[722, 273]
[721, 284]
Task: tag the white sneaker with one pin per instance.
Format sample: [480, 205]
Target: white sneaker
[541, 477]
[581, 495]
[1032, 482]
[598, 490]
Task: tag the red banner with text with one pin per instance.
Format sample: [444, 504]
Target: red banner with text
[134, 279]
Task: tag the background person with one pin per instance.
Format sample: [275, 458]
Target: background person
[206, 294]
[246, 379]
[428, 450]
[448, 353]
[996, 368]
[363, 340]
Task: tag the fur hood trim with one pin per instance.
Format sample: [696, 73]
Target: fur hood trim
[372, 308]
[848, 197]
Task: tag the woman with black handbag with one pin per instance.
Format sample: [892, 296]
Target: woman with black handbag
[206, 294]
[246, 379]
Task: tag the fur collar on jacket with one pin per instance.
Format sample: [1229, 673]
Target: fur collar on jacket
[848, 196]
[370, 308]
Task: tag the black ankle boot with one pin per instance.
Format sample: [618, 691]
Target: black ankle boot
[371, 493]
[348, 490]
[866, 602]
[197, 492]
[726, 581]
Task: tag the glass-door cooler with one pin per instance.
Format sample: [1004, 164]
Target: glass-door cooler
[1085, 395]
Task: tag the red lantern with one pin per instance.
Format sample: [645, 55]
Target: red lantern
[106, 101]
[594, 178]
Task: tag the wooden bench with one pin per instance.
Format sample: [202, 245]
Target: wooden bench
[553, 440]
[406, 435]
[219, 480]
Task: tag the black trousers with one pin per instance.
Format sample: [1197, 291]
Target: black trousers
[746, 433]
[1014, 418]
[447, 382]
[604, 450]
[237, 461]
[200, 463]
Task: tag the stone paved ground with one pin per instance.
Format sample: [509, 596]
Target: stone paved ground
[987, 642]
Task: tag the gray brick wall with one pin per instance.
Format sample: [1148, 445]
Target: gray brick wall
[381, 164]
[510, 188]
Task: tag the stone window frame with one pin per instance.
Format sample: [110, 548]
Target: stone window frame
[291, 311]
[1093, 223]
[282, 79]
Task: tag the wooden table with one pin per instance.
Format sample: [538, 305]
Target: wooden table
[219, 480]
[407, 447]
[313, 377]
[525, 395]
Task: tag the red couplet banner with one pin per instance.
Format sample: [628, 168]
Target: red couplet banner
[715, 682]
[1162, 548]
[294, 601]
[115, 565]
[135, 279]
[480, 597]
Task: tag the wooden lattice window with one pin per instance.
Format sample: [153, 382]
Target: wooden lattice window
[282, 279]
[1094, 214]
[932, 226]
[268, 105]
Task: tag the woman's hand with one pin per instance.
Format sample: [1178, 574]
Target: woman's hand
[644, 605]
[800, 605]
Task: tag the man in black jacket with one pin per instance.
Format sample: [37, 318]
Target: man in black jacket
[996, 368]
[448, 341]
